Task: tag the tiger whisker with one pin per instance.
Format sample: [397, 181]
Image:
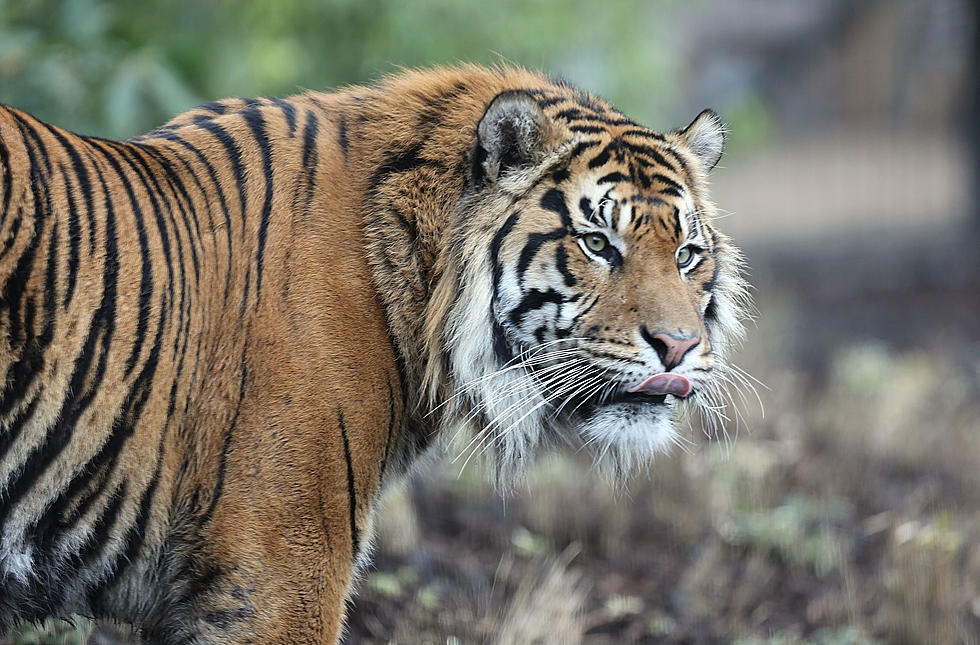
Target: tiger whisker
[513, 406]
[553, 394]
[509, 366]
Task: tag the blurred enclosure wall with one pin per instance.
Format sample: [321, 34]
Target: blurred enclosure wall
[850, 511]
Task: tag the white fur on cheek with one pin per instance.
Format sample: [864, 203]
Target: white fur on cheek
[499, 412]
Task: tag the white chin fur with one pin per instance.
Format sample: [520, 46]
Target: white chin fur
[627, 436]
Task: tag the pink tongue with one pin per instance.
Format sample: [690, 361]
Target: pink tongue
[664, 384]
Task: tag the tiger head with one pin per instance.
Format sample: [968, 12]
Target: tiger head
[595, 300]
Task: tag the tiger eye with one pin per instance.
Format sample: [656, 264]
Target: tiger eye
[596, 242]
[684, 256]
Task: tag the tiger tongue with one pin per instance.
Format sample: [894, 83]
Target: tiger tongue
[664, 383]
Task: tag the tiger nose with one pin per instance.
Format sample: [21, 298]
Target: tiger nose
[671, 349]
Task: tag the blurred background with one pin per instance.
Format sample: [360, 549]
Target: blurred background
[849, 512]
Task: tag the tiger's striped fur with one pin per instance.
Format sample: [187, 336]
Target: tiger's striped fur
[220, 340]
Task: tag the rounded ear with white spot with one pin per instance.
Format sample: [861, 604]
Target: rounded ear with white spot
[513, 132]
[705, 136]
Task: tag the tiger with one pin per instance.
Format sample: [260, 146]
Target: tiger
[223, 340]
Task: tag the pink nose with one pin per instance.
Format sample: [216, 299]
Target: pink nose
[670, 349]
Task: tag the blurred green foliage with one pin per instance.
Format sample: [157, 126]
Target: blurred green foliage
[120, 68]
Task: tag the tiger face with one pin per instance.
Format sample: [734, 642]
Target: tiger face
[612, 299]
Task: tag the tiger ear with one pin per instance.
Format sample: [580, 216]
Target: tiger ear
[513, 132]
[705, 136]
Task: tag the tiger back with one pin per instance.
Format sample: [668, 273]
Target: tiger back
[220, 340]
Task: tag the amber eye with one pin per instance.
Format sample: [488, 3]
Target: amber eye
[595, 242]
[684, 256]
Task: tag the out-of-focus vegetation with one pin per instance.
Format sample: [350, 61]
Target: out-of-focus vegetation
[119, 69]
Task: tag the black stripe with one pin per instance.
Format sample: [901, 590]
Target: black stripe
[437, 108]
[588, 129]
[581, 147]
[571, 113]
[667, 181]
[8, 243]
[136, 534]
[97, 539]
[547, 102]
[589, 211]
[593, 112]
[639, 177]
[14, 427]
[533, 245]
[131, 409]
[351, 492]
[234, 155]
[612, 178]
[397, 162]
[8, 182]
[225, 448]
[342, 135]
[74, 235]
[495, 244]
[216, 107]
[584, 311]
[647, 134]
[58, 516]
[408, 227]
[534, 299]
[500, 345]
[310, 155]
[554, 200]
[157, 197]
[103, 462]
[50, 288]
[561, 262]
[243, 301]
[614, 147]
[289, 112]
[608, 121]
[391, 427]
[695, 225]
[253, 118]
[711, 311]
[657, 155]
[41, 148]
[176, 180]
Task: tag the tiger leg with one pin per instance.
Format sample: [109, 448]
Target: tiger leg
[292, 598]
[277, 554]
[271, 573]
